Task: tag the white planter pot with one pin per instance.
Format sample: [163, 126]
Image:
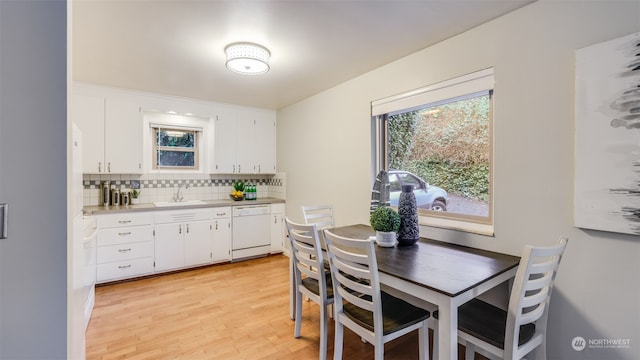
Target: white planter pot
[386, 238]
[135, 201]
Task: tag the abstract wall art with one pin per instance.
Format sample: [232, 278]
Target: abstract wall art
[607, 136]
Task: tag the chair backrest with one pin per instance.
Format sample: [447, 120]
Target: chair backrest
[306, 253]
[531, 292]
[354, 272]
[321, 215]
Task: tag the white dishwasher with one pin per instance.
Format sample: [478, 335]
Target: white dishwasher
[251, 231]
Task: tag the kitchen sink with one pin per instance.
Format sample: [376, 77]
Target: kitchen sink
[178, 203]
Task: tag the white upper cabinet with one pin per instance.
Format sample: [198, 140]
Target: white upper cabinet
[236, 140]
[112, 132]
[224, 160]
[245, 142]
[88, 114]
[123, 136]
[264, 142]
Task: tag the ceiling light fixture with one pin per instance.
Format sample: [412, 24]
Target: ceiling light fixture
[247, 58]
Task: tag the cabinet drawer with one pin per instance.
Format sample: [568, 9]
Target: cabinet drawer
[125, 252]
[222, 212]
[125, 219]
[125, 235]
[124, 269]
[277, 208]
[182, 216]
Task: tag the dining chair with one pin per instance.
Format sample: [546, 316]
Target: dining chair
[306, 255]
[361, 306]
[512, 334]
[321, 215]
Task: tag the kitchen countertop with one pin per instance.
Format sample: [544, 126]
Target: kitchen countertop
[101, 210]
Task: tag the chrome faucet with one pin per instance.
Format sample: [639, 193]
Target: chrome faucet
[178, 196]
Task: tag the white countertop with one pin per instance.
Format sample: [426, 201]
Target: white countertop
[97, 210]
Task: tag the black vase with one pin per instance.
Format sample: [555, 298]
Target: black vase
[409, 232]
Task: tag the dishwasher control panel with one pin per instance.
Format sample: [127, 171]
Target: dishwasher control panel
[251, 210]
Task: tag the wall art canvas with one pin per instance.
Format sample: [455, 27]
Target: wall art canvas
[607, 136]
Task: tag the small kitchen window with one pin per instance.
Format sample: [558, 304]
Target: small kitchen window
[175, 148]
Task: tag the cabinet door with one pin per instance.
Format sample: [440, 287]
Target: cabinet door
[197, 242]
[88, 114]
[221, 240]
[277, 232]
[245, 144]
[169, 246]
[123, 136]
[225, 144]
[264, 146]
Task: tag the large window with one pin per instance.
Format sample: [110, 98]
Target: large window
[439, 139]
[175, 148]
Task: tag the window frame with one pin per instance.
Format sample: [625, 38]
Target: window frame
[456, 89]
[156, 148]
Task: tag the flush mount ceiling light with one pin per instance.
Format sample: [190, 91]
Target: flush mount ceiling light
[247, 58]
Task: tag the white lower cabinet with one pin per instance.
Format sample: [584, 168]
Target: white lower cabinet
[277, 228]
[221, 240]
[183, 238]
[133, 244]
[125, 246]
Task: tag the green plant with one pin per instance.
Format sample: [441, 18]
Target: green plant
[238, 185]
[385, 219]
[135, 193]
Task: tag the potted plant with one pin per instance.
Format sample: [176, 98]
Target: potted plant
[386, 222]
[135, 194]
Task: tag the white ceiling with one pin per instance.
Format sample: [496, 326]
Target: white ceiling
[176, 47]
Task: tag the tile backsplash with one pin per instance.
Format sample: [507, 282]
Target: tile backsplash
[163, 187]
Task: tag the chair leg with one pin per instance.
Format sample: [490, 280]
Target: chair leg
[436, 347]
[296, 333]
[323, 332]
[423, 341]
[470, 351]
[379, 351]
[337, 344]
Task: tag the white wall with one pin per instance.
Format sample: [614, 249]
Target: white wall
[324, 147]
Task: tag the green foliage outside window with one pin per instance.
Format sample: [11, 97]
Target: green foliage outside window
[447, 145]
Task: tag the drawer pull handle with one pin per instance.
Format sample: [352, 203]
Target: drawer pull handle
[125, 233]
[124, 250]
[124, 221]
[221, 214]
[124, 266]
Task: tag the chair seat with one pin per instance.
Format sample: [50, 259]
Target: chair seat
[488, 323]
[314, 287]
[397, 314]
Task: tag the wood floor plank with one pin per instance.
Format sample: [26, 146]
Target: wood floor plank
[229, 311]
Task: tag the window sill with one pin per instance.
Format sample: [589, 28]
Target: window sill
[452, 224]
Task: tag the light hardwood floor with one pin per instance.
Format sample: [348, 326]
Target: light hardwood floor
[229, 311]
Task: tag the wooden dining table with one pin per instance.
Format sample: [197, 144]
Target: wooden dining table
[442, 274]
